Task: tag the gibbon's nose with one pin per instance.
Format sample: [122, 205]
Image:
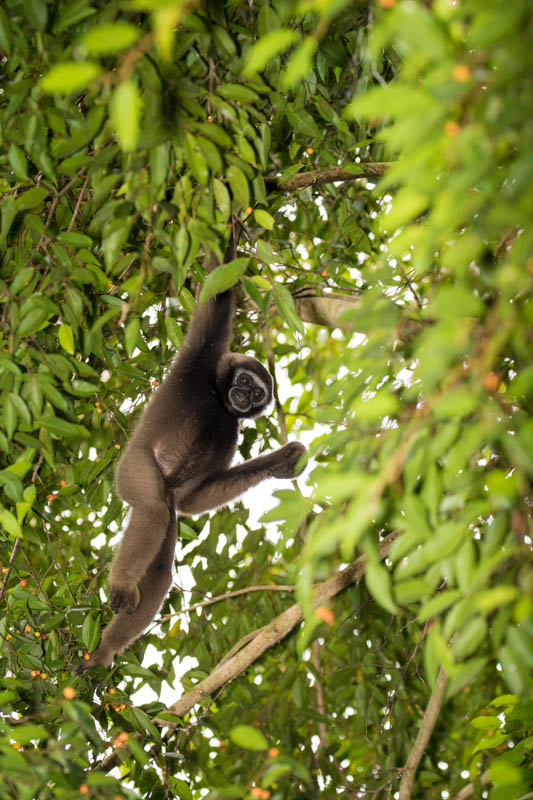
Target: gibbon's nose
[242, 398]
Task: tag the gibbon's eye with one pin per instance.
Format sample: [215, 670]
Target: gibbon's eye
[244, 380]
[257, 395]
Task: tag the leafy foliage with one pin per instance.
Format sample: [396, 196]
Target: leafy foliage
[131, 137]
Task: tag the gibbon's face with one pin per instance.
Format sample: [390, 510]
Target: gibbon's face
[249, 394]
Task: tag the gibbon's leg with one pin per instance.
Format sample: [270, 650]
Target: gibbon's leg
[219, 490]
[139, 483]
[125, 628]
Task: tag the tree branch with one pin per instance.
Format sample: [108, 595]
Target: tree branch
[469, 790]
[424, 735]
[219, 598]
[271, 634]
[331, 175]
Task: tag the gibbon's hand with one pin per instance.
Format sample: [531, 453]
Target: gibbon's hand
[287, 458]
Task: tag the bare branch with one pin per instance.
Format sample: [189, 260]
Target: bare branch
[271, 634]
[424, 735]
[235, 593]
[468, 790]
[333, 174]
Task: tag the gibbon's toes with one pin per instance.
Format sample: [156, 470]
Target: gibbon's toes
[289, 457]
[122, 599]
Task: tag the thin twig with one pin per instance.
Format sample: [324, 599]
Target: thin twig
[219, 598]
[8, 573]
[78, 203]
[424, 735]
[271, 634]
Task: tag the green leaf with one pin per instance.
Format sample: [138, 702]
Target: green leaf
[378, 581]
[266, 48]
[264, 218]
[437, 604]
[223, 278]
[238, 93]
[174, 332]
[131, 335]
[70, 76]
[286, 308]
[61, 428]
[31, 199]
[110, 37]
[239, 185]
[300, 62]
[302, 122]
[36, 12]
[18, 162]
[248, 737]
[90, 632]
[30, 733]
[9, 523]
[66, 338]
[125, 114]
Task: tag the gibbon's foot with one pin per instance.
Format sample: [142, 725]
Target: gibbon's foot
[93, 661]
[124, 599]
[287, 459]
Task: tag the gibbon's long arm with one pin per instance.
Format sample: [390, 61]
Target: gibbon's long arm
[218, 490]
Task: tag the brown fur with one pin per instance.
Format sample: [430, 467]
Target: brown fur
[178, 461]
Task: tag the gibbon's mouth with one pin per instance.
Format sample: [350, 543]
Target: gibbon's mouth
[241, 399]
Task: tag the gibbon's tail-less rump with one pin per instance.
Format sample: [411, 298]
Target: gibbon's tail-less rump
[178, 461]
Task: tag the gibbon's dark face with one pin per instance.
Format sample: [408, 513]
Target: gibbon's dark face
[250, 388]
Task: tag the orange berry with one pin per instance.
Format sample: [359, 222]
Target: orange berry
[210, 119]
[99, 411]
[117, 447]
[51, 497]
[122, 737]
[84, 789]
[256, 791]
[491, 382]
[27, 628]
[62, 483]
[9, 636]
[37, 634]
[44, 675]
[461, 73]
[324, 273]
[273, 752]
[23, 583]
[155, 383]
[387, 3]
[122, 706]
[249, 210]
[452, 128]
[325, 614]
[33, 673]
[69, 693]
[4, 570]
[86, 656]
[112, 691]
[309, 151]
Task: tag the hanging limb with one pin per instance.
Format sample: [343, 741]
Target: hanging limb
[271, 634]
[424, 735]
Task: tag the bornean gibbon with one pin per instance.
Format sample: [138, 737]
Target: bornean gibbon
[178, 462]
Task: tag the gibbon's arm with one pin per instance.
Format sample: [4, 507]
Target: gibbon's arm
[230, 484]
[211, 329]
